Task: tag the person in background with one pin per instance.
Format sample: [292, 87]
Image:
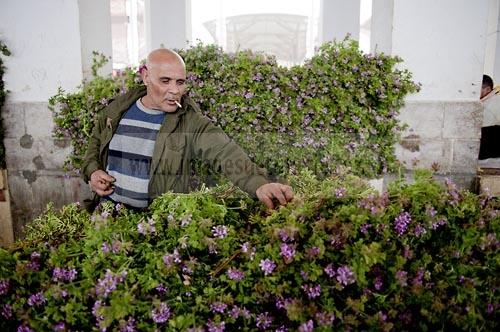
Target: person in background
[486, 86]
[490, 130]
[144, 141]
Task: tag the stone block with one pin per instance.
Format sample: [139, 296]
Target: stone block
[465, 153]
[432, 154]
[13, 120]
[463, 120]
[490, 183]
[38, 119]
[424, 119]
[30, 199]
[43, 154]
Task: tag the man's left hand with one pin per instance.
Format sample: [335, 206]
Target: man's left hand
[270, 191]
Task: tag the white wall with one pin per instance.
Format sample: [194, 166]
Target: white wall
[340, 17]
[492, 57]
[44, 39]
[166, 24]
[443, 43]
[95, 33]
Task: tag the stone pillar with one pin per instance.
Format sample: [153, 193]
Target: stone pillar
[46, 54]
[492, 58]
[443, 44]
[166, 23]
[381, 28]
[339, 17]
[95, 33]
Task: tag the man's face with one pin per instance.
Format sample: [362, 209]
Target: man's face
[166, 83]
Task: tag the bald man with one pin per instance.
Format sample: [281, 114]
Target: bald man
[144, 141]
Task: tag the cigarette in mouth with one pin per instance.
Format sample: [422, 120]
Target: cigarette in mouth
[180, 106]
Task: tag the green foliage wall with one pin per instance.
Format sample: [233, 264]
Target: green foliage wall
[338, 109]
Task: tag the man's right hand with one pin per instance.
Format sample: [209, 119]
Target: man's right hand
[101, 183]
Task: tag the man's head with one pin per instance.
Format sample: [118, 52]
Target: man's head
[487, 86]
[165, 80]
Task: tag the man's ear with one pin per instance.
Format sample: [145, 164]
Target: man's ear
[145, 75]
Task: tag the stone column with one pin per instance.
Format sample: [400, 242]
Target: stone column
[166, 23]
[443, 44]
[339, 17]
[95, 33]
[492, 58]
[381, 29]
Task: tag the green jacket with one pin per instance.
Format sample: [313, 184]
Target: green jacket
[184, 135]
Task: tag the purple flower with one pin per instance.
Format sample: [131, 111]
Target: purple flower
[282, 328]
[186, 220]
[329, 270]
[146, 228]
[439, 223]
[286, 236]
[24, 328]
[235, 274]
[267, 266]
[490, 308]
[364, 228]
[161, 314]
[245, 247]
[313, 252]
[105, 214]
[345, 275]
[248, 95]
[33, 265]
[419, 230]
[287, 251]
[340, 192]
[417, 281]
[59, 327]
[401, 223]
[36, 299]
[378, 283]
[263, 321]
[325, 318]
[6, 311]
[95, 310]
[219, 307]
[109, 283]
[312, 291]
[235, 312]
[60, 274]
[307, 326]
[161, 289]
[219, 231]
[214, 327]
[4, 286]
[129, 326]
[116, 247]
[105, 248]
[402, 278]
[170, 259]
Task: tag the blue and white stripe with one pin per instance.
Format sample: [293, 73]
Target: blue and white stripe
[130, 153]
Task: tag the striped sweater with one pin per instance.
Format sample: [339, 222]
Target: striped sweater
[130, 154]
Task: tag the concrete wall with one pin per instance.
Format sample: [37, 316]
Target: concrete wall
[44, 38]
[339, 18]
[166, 23]
[492, 58]
[446, 55]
